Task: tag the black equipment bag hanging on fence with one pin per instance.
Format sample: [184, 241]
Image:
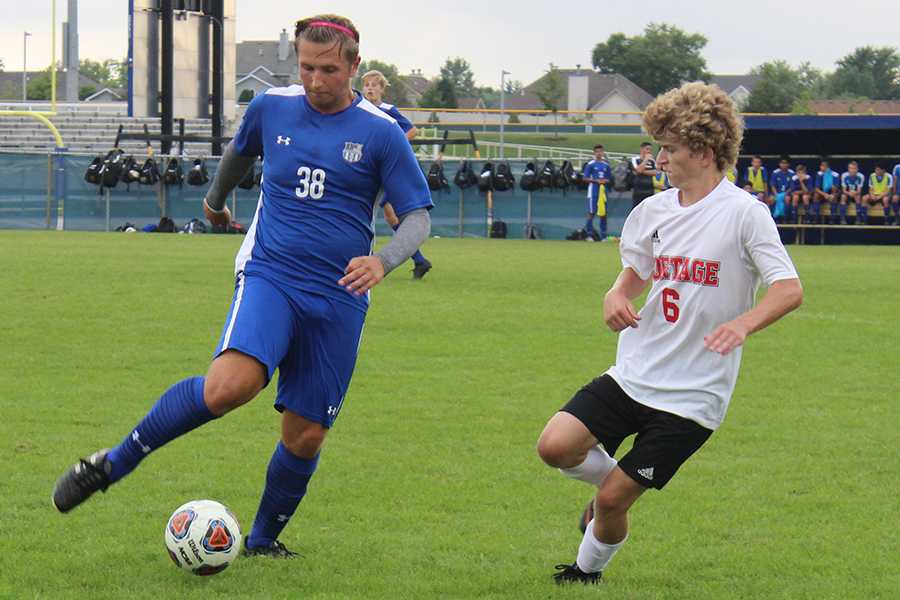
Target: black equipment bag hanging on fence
[503, 178]
[198, 174]
[486, 178]
[149, 172]
[112, 168]
[529, 180]
[92, 175]
[131, 173]
[435, 177]
[547, 175]
[565, 177]
[173, 174]
[465, 177]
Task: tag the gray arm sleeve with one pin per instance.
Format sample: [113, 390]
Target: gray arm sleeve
[412, 233]
[232, 169]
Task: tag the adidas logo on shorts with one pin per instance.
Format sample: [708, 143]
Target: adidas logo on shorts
[646, 473]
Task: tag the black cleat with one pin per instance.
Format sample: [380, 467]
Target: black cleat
[586, 516]
[83, 479]
[572, 574]
[421, 268]
[274, 550]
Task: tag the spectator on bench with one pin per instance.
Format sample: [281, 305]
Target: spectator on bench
[828, 189]
[756, 179]
[780, 186]
[802, 187]
[880, 186]
[852, 183]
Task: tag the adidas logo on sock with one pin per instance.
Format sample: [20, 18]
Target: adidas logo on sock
[646, 473]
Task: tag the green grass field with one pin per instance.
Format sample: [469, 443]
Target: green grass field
[429, 486]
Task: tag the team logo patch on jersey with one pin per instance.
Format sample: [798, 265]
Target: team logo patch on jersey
[352, 152]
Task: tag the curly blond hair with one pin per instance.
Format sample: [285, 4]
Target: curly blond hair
[700, 116]
[378, 76]
[305, 29]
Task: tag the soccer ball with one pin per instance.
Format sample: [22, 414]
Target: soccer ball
[203, 537]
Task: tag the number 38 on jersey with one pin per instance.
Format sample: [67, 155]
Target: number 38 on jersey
[312, 183]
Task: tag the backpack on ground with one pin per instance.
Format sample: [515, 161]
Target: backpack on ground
[194, 226]
[486, 177]
[149, 172]
[173, 174]
[547, 175]
[166, 225]
[112, 168]
[435, 177]
[465, 177]
[198, 174]
[623, 176]
[579, 235]
[249, 179]
[503, 178]
[498, 229]
[529, 180]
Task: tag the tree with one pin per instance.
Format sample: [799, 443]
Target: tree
[869, 72]
[659, 60]
[782, 88]
[514, 87]
[39, 86]
[109, 73]
[458, 72]
[86, 91]
[395, 93]
[439, 95]
[246, 96]
[489, 95]
[550, 90]
[2, 66]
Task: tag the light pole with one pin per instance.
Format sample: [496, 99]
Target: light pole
[503, 75]
[25, 67]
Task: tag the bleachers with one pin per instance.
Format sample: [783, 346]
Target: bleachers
[91, 130]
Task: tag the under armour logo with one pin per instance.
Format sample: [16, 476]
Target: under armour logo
[284, 140]
[137, 440]
[332, 411]
[282, 518]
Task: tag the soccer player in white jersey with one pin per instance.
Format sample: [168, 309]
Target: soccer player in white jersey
[302, 274]
[374, 84]
[703, 247]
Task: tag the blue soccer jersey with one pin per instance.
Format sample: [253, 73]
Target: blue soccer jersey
[597, 169]
[404, 123]
[807, 181]
[321, 175]
[781, 180]
[853, 183]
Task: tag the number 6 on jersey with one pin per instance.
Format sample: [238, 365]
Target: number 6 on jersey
[312, 183]
[670, 309]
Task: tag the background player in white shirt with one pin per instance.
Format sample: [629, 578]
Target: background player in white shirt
[706, 245]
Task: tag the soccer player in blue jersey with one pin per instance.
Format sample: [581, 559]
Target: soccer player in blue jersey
[303, 273]
[373, 85]
[801, 190]
[852, 182]
[597, 173]
[828, 189]
[780, 183]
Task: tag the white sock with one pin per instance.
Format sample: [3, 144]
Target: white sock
[594, 469]
[594, 555]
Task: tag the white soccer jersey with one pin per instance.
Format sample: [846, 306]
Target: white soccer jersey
[706, 261]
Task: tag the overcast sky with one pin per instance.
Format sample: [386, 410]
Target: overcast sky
[519, 36]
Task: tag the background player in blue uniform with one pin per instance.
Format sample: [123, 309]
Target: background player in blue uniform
[598, 175]
[780, 185]
[302, 273]
[828, 189]
[895, 195]
[852, 183]
[373, 86]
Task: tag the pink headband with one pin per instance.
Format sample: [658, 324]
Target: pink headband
[330, 25]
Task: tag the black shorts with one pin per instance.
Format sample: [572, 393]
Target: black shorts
[664, 441]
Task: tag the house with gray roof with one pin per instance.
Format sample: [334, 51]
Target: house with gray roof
[585, 89]
[738, 87]
[262, 64]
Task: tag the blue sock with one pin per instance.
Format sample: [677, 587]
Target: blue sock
[602, 227]
[816, 209]
[896, 206]
[286, 482]
[589, 224]
[179, 410]
[843, 209]
[861, 212]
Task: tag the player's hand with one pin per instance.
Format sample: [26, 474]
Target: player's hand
[220, 218]
[726, 338]
[362, 274]
[618, 311]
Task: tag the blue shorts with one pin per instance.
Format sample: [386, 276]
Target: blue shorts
[313, 340]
